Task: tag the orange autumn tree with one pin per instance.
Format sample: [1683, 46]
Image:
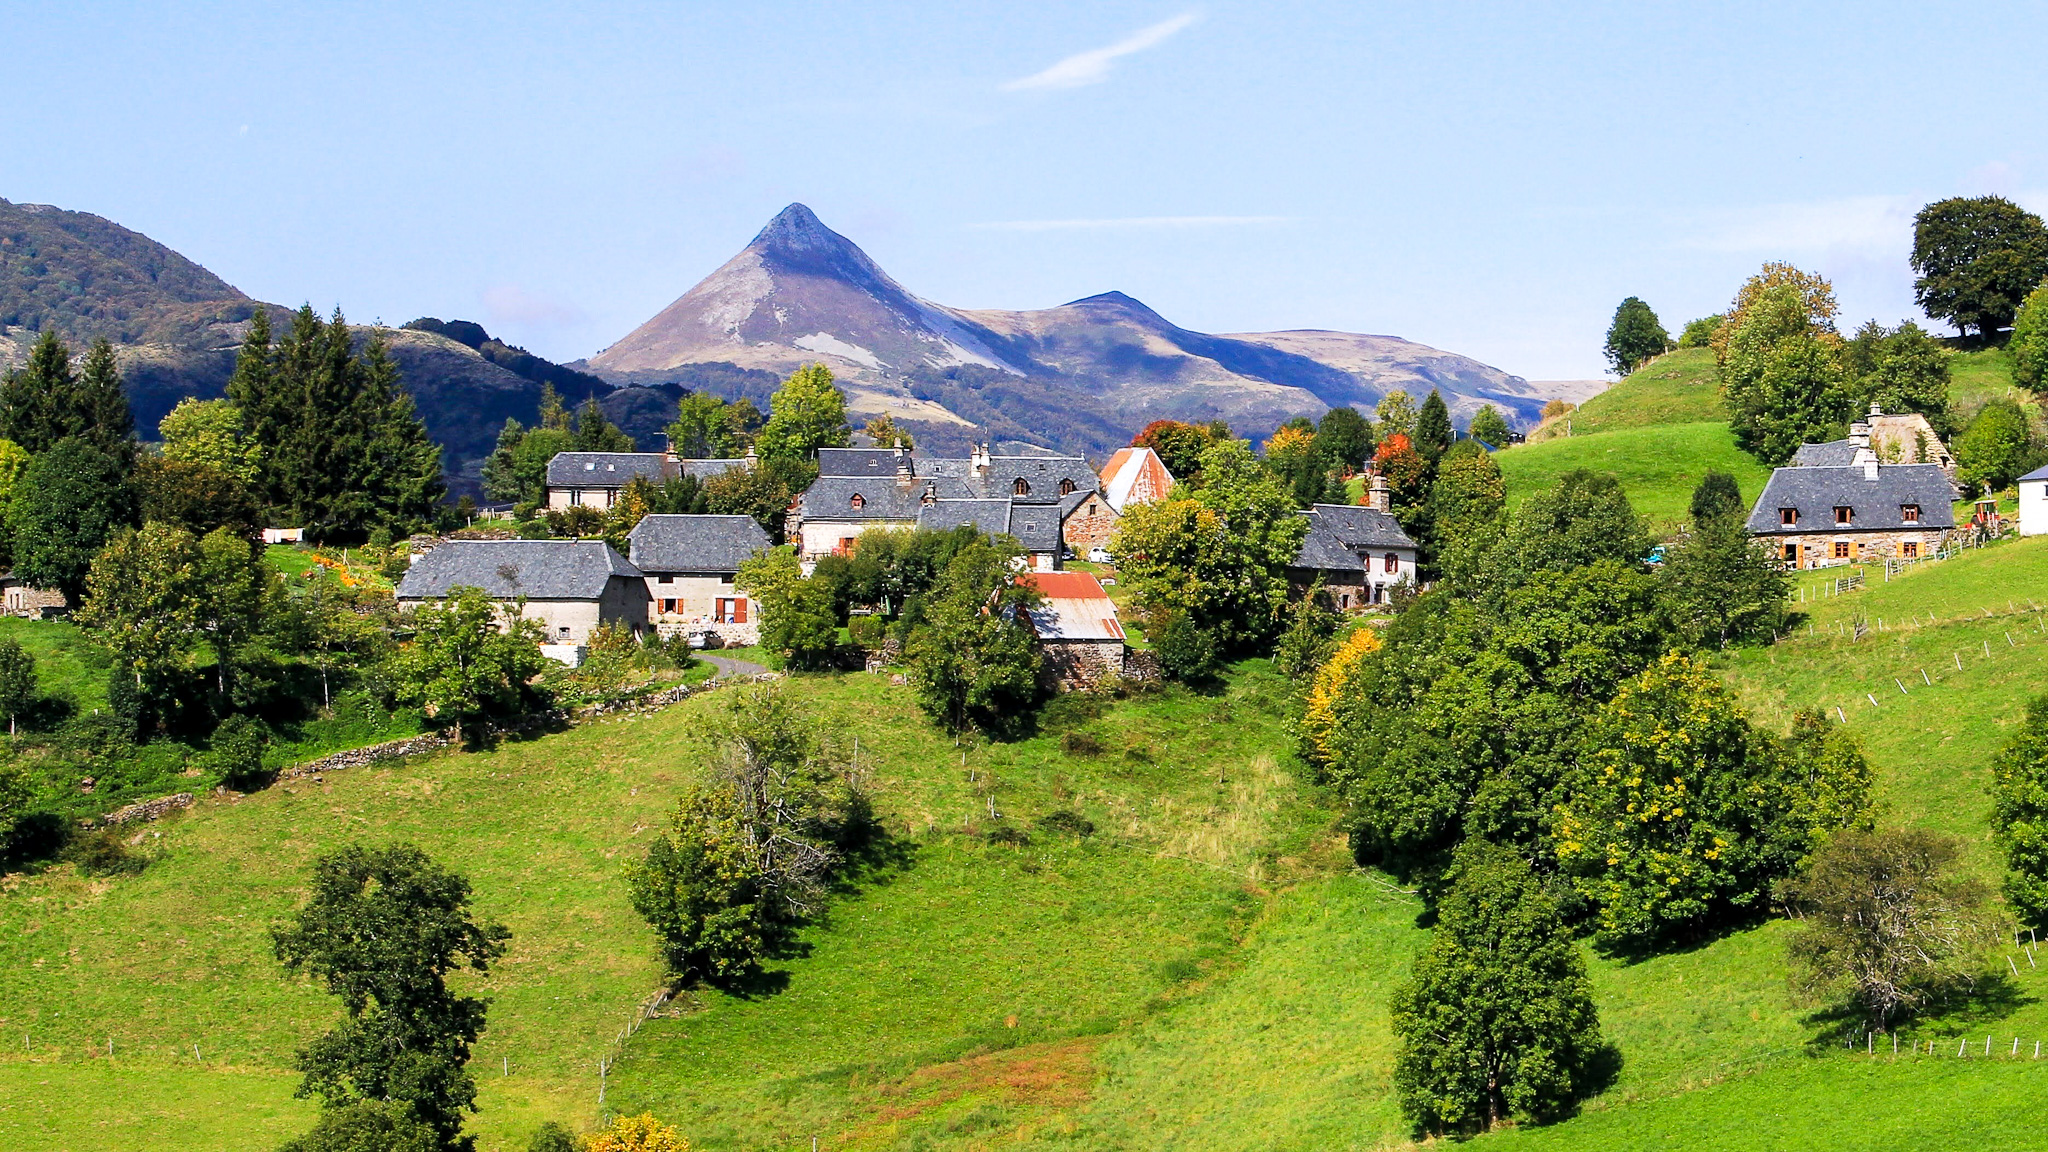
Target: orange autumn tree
[1404, 467]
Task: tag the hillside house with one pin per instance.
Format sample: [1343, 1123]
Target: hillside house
[594, 479]
[1818, 516]
[1077, 628]
[1132, 476]
[690, 563]
[1029, 498]
[2034, 502]
[1905, 438]
[572, 587]
[19, 599]
[1360, 553]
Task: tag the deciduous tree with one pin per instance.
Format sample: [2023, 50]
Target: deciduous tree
[1977, 258]
[1888, 922]
[807, 413]
[1995, 449]
[69, 501]
[210, 432]
[1490, 427]
[17, 681]
[2019, 814]
[975, 663]
[2029, 344]
[382, 931]
[1783, 377]
[1635, 337]
[1497, 1020]
[460, 664]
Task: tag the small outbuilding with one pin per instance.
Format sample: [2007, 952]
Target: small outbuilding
[1077, 627]
[573, 587]
[2034, 502]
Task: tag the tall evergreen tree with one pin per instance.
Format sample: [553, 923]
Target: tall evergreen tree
[47, 400]
[102, 407]
[594, 433]
[1433, 429]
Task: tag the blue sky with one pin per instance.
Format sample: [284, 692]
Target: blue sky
[1488, 178]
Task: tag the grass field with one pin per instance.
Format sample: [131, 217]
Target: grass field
[1658, 465]
[1680, 387]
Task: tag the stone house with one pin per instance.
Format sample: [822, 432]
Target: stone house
[1132, 476]
[690, 563]
[1360, 553]
[1905, 438]
[1818, 516]
[1077, 628]
[594, 479]
[572, 587]
[1029, 498]
[19, 599]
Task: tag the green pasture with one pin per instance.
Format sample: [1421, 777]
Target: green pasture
[1658, 465]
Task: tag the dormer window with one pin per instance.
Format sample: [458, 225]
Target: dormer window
[1022, 487]
[859, 501]
[590, 466]
[1066, 487]
[1910, 513]
[1843, 515]
[1788, 517]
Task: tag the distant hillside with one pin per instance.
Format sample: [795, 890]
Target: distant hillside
[177, 326]
[1081, 376]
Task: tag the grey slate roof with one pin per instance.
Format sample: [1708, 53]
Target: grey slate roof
[831, 497]
[602, 469]
[668, 543]
[1833, 454]
[1339, 533]
[2040, 473]
[1036, 527]
[614, 469]
[1817, 491]
[858, 462]
[506, 569]
[990, 516]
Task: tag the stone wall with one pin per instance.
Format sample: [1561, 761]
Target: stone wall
[1085, 663]
[147, 810]
[1819, 547]
[1083, 531]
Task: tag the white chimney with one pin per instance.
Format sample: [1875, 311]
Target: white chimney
[978, 460]
[1379, 494]
[1866, 460]
[750, 460]
[1859, 435]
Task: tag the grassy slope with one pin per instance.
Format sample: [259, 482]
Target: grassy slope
[1679, 388]
[920, 965]
[1658, 465]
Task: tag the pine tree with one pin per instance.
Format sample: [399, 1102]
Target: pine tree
[104, 419]
[552, 413]
[47, 401]
[594, 433]
[1433, 429]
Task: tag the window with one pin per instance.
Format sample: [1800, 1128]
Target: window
[1066, 487]
[1392, 562]
[1022, 487]
[1843, 514]
[668, 579]
[1910, 549]
[563, 631]
[1791, 554]
[1091, 508]
[1910, 513]
[1841, 549]
[667, 607]
[859, 501]
[1788, 517]
[729, 610]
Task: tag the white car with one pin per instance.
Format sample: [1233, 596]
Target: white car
[1100, 556]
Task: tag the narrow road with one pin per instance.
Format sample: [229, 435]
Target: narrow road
[729, 667]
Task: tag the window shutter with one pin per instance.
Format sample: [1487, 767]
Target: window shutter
[739, 610]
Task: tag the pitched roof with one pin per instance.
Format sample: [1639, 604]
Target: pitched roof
[1075, 607]
[1036, 526]
[1340, 534]
[2040, 473]
[1833, 454]
[858, 461]
[707, 468]
[1134, 470]
[881, 498]
[990, 516]
[670, 543]
[603, 469]
[1815, 492]
[506, 569]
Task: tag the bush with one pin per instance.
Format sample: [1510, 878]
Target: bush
[236, 758]
[1186, 651]
[1067, 822]
[642, 1133]
[104, 853]
[1700, 333]
[551, 1137]
[366, 1126]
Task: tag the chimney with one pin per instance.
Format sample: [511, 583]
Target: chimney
[750, 460]
[1876, 409]
[1866, 460]
[978, 460]
[1859, 435]
[903, 474]
[1379, 495]
[668, 451]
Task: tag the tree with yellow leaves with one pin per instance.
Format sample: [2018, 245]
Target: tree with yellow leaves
[642, 1133]
[1319, 717]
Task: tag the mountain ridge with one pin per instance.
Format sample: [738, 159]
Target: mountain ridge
[801, 292]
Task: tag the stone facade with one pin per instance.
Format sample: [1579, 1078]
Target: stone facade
[1090, 525]
[1820, 549]
[1079, 664]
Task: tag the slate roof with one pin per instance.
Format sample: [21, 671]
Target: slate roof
[2040, 473]
[603, 469]
[507, 569]
[669, 543]
[831, 497]
[858, 462]
[990, 516]
[1817, 491]
[1339, 533]
[1036, 526]
[1833, 454]
[614, 469]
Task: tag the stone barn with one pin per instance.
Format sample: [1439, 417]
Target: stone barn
[1077, 628]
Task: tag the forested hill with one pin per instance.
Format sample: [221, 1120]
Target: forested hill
[176, 327]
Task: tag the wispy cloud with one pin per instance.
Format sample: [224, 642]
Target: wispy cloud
[1852, 223]
[1092, 66]
[1130, 222]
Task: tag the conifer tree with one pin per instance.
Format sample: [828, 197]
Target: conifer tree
[47, 400]
[1433, 429]
[594, 433]
[102, 407]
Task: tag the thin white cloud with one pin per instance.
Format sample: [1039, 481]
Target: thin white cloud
[1854, 223]
[1130, 222]
[1092, 67]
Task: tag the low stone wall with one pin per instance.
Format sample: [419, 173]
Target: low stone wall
[357, 757]
[1142, 665]
[147, 810]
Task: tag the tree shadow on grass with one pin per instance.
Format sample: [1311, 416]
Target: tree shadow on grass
[1961, 1011]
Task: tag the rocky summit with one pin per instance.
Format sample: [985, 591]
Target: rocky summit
[1078, 374]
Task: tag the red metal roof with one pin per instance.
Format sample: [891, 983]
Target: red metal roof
[1064, 585]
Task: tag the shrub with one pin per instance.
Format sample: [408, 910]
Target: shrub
[551, 1137]
[367, 1126]
[236, 758]
[1186, 651]
[1067, 822]
[1005, 834]
[642, 1133]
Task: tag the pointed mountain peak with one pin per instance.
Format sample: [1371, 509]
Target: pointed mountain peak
[797, 241]
[1118, 302]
